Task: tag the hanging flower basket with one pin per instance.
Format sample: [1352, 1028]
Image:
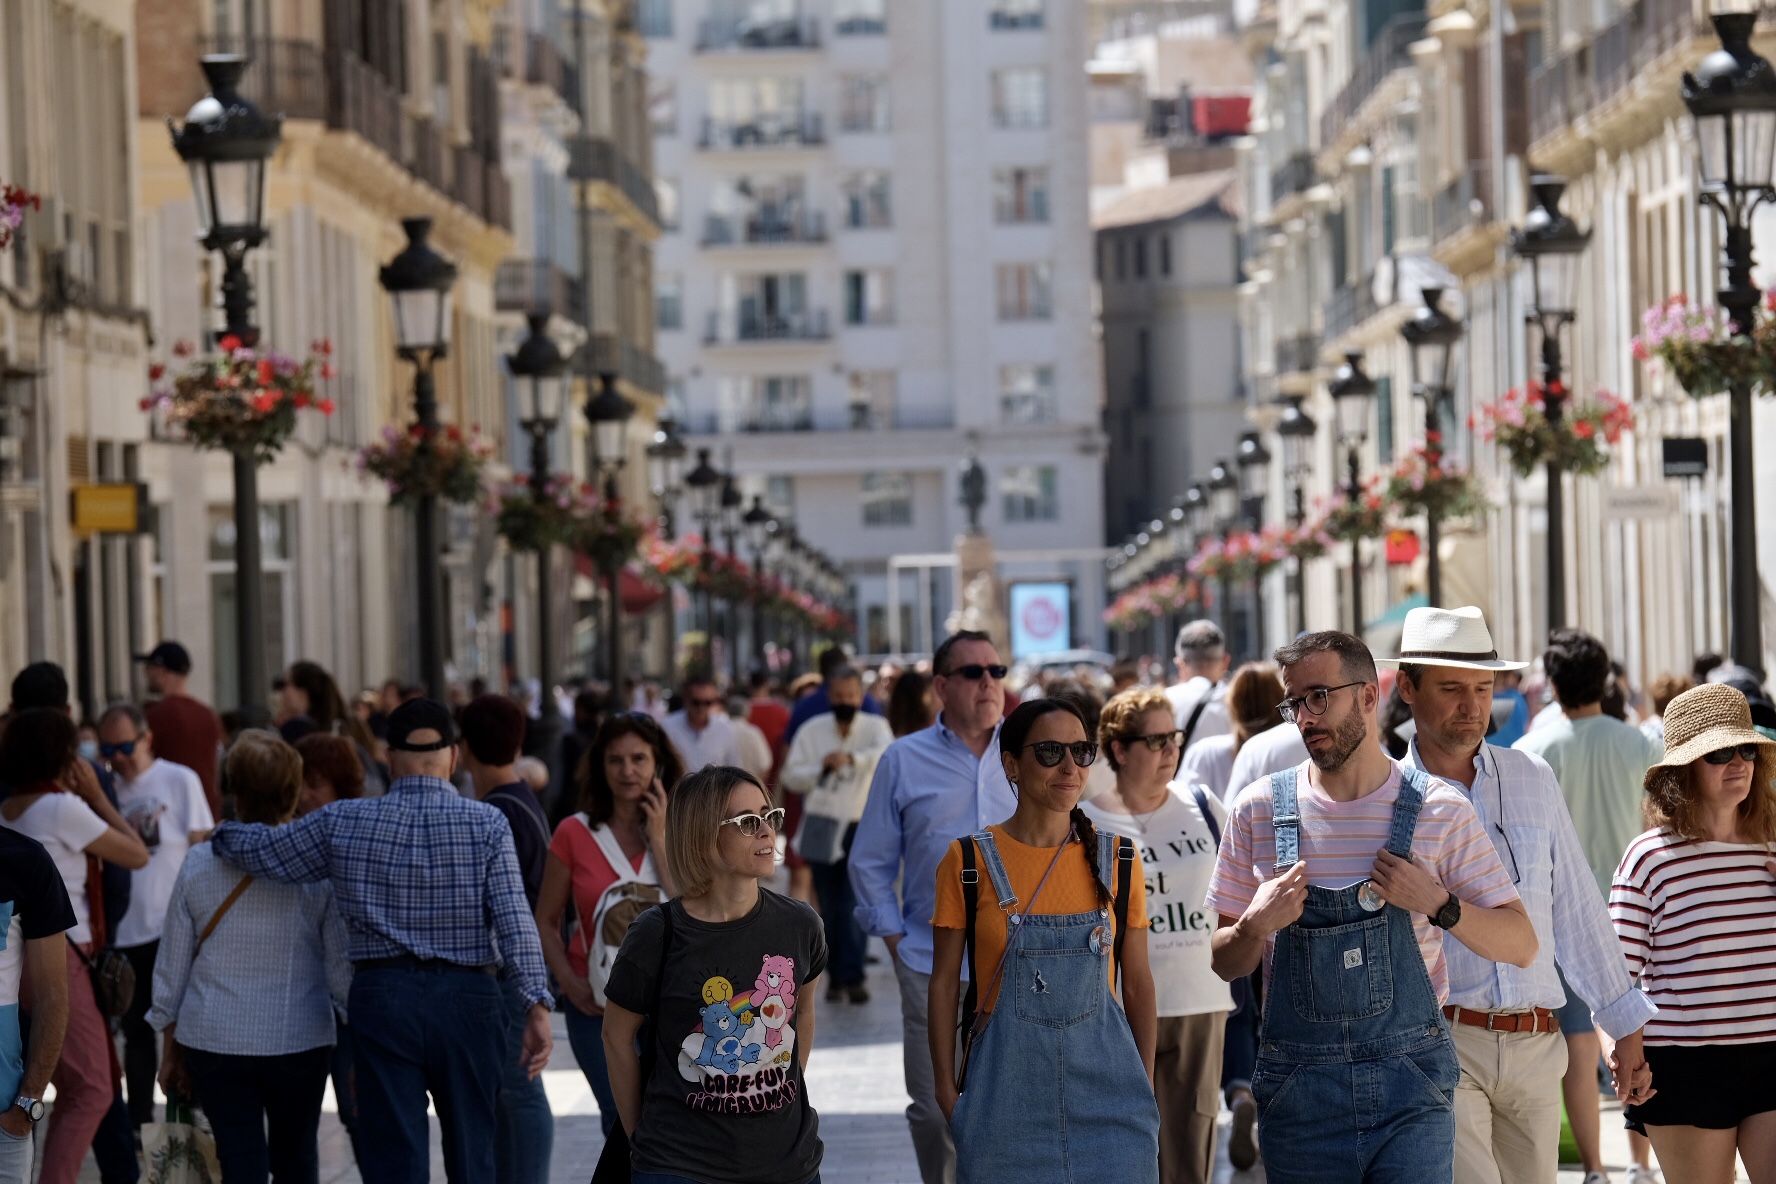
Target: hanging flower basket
[529, 522]
[1425, 483]
[1345, 520]
[1697, 345]
[1579, 442]
[1149, 601]
[609, 535]
[1304, 542]
[444, 462]
[14, 201]
[1251, 555]
[238, 399]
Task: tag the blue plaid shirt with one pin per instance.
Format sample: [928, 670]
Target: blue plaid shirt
[422, 871]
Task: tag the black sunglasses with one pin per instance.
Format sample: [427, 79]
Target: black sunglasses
[974, 672]
[1724, 756]
[1049, 752]
[1158, 741]
[128, 748]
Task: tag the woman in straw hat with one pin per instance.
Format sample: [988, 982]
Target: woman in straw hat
[1694, 903]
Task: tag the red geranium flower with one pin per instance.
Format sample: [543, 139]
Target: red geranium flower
[325, 406]
[229, 344]
[155, 372]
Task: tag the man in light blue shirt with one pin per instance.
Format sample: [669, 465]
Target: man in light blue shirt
[1504, 1019]
[930, 788]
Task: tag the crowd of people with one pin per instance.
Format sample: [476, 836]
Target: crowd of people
[1394, 912]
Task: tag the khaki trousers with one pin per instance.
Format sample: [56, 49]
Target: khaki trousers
[1507, 1106]
[1187, 1085]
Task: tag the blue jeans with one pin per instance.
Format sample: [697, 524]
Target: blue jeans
[114, 1145]
[585, 1035]
[525, 1128]
[845, 939]
[15, 1158]
[422, 1031]
[247, 1097]
[1239, 1053]
[663, 1178]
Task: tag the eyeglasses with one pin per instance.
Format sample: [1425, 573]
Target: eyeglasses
[127, 748]
[1049, 752]
[750, 824]
[1724, 756]
[974, 672]
[1314, 701]
[1158, 741]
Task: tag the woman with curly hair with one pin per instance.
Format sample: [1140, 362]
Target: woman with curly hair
[1694, 904]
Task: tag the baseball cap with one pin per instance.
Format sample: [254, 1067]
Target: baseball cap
[420, 715]
[169, 656]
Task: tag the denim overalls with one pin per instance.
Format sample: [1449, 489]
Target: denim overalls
[1056, 1089]
[1356, 1072]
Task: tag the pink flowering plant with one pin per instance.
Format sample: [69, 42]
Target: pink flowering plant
[1424, 482]
[1306, 541]
[14, 201]
[609, 533]
[238, 399]
[1345, 520]
[1697, 345]
[444, 462]
[1149, 601]
[1578, 442]
[530, 519]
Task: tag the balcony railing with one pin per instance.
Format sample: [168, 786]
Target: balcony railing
[594, 158]
[790, 33]
[860, 26]
[1298, 354]
[1573, 84]
[1463, 202]
[782, 131]
[631, 363]
[754, 327]
[1387, 53]
[1350, 306]
[764, 229]
[1295, 175]
[536, 59]
[856, 417]
[536, 285]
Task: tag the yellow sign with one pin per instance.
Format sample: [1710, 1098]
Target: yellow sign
[107, 509]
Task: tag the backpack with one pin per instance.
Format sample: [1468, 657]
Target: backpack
[634, 893]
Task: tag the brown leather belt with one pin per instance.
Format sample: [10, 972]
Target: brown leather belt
[1537, 1019]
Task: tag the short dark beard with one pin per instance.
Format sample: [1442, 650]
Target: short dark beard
[1347, 737]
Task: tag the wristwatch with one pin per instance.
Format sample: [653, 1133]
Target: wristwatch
[33, 1107]
[1447, 916]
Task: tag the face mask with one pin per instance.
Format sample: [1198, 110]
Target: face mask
[89, 750]
[844, 712]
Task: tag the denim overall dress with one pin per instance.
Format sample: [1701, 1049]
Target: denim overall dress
[1056, 1092]
[1356, 1071]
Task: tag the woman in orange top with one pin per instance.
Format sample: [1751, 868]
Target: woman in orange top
[1066, 1073]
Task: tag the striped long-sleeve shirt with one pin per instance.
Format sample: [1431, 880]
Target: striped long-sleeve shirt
[1698, 925]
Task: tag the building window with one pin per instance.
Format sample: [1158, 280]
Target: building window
[872, 400]
[867, 202]
[860, 18]
[1026, 291]
[1140, 257]
[1026, 393]
[663, 106]
[1121, 258]
[669, 302]
[1020, 97]
[754, 111]
[1020, 195]
[654, 18]
[1031, 493]
[887, 499]
[869, 296]
[864, 103]
[1165, 254]
[769, 403]
[1015, 14]
[780, 495]
[666, 194]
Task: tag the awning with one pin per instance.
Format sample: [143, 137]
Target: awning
[639, 595]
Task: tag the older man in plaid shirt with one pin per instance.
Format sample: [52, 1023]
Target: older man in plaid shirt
[427, 882]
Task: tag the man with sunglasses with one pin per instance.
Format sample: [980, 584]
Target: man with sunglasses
[930, 787]
[701, 729]
[1505, 1020]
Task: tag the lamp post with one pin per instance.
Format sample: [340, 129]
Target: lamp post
[1253, 462]
[1551, 243]
[1223, 489]
[665, 460]
[1433, 335]
[225, 143]
[731, 504]
[1195, 504]
[418, 280]
[757, 523]
[704, 483]
[608, 414]
[541, 390]
[1351, 390]
[1297, 430]
[1732, 97]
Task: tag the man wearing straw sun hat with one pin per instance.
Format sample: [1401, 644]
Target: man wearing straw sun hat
[1507, 1034]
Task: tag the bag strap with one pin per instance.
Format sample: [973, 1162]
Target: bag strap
[1190, 724]
[221, 911]
[1202, 803]
[613, 854]
[970, 901]
[1125, 856]
[650, 1040]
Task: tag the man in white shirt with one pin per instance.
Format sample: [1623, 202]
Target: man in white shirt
[756, 756]
[1197, 696]
[165, 805]
[1270, 751]
[701, 732]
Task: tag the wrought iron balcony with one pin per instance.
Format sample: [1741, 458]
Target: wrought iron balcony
[751, 327]
[765, 228]
[1571, 85]
[779, 131]
[1295, 175]
[1350, 306]
[595, 158]
[794, 33]
[1463, 202]
[1387, 53]
[536, 285]
[1298, 354]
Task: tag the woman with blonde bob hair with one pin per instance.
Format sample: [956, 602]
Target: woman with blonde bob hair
[722, 977]
[1694, 904]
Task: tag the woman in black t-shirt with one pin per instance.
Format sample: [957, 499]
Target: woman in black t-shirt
[724, 974]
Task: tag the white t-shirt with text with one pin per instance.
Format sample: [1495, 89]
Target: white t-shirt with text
[163, 805]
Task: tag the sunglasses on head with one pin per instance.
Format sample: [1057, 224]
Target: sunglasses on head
[974, 672]
[127, 748]
[750, 824]
[1158, 741]
[1724, 756]
[1049, 752]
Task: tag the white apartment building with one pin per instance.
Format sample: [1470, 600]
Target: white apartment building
[877, 259]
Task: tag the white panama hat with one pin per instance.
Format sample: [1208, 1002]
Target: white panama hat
[1449, 637]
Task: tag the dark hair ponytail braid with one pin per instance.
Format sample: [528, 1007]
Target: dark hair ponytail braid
[1088, 834]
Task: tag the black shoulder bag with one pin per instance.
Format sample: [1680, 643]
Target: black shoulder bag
[613, 1162]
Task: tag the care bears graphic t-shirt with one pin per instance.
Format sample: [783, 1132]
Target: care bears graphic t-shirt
[726, 1103]
[33, 904]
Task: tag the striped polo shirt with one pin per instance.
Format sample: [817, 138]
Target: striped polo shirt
[1698, 926]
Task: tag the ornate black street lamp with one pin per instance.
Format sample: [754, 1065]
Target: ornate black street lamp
[1195, 504]
[731, 505]
[1551, 243]
[665, 461]
[1253, 462]
[1297, 430]
[758, 524]
[1433, 335]
[1223, 487]
[704, 482]
[1351, 389]
[226, 143]
[608, 414]
[541, 388]
[418, 280]
[1732, 97]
